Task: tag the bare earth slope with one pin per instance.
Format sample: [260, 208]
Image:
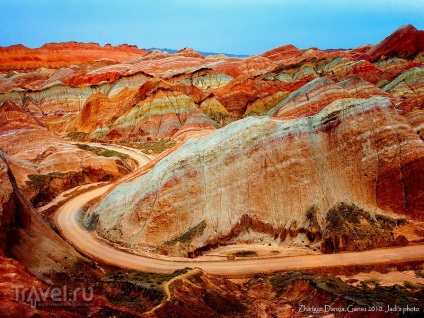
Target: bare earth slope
[68, 225]
[269, 173]
[43, 163]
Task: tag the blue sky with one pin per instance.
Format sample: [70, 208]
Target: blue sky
[230, 26]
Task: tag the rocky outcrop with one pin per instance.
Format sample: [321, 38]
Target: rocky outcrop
[189, 52]
[408, 84]
[160, 112]
[405, 42]
[279, 169]
[100, 111]
[7, 207]
[43, 163]
[282, 52]
[359, 88]
[309, 99]
[57, 55]
[197, 123]
[69, 99]
[46, 277]
[221, 298]
[413, 109]
[318, 149]
[26, 236]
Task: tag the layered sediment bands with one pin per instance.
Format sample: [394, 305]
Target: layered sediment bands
[57, 55]
[261, 106]
[59, 106]
[16, 81]
[168, 65]
[413, 110]
[309, 99]
[110, 77]
[64, 99]
[244, 96]
[255, 65]
[197, 123]
[236, 98]
[340, 68]
[205, 79]
[43, 163]
[355, 150]
[56, 106]
[360, 88]
[408, 84]
[215, 110]
[100, 111]
[159, 115]
[282, 52]
[409, 88]
[296, 72]
[156, 110]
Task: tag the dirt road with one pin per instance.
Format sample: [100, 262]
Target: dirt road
[67, 223]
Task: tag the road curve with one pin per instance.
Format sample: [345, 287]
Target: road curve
[84, 241]
[140, 157]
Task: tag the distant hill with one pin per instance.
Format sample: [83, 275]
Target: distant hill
[203, 53]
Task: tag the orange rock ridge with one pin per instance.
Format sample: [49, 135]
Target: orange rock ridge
[57, 55]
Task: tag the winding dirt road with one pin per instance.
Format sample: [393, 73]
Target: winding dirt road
[84, 241]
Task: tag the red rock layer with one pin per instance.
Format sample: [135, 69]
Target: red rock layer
[64, 99]
[405, 42]
[282, 52]
[26, 236]
[57, 55]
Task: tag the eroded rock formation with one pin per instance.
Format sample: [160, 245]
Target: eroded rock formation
[294, 147]
[57, 55]
[338, 127]
[43, 163]
[273, 171]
